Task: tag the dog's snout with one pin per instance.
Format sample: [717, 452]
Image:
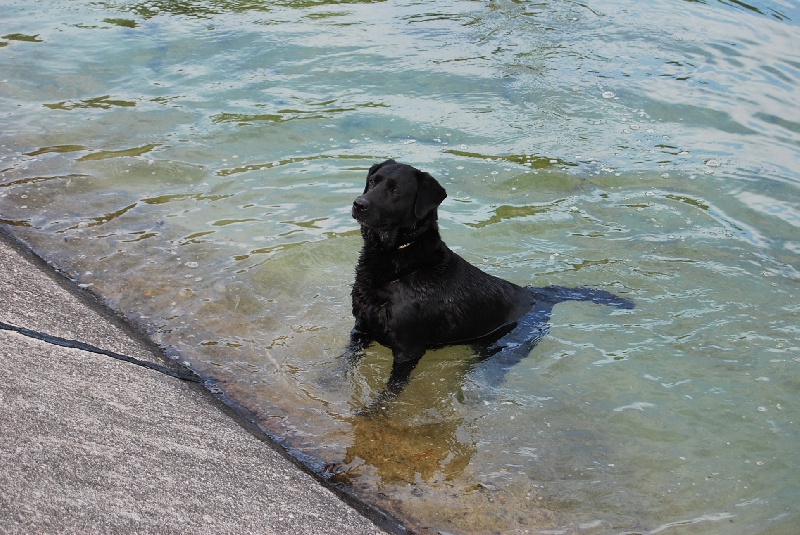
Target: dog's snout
[360, 204]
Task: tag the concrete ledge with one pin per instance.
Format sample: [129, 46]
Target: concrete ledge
[94, 444]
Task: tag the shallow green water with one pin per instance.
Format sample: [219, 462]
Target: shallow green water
[195, 165]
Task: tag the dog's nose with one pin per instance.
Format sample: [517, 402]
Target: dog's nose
[360, 204]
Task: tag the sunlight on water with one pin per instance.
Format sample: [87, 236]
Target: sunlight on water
[194, 165]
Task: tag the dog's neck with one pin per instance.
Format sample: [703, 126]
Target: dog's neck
[399, 239]
[407, 239]
[388, 256]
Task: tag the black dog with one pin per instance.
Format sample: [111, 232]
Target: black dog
[412, 292]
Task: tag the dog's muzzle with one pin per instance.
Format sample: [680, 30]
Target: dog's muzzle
[360, 207]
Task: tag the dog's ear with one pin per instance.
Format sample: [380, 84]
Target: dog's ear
[373, 169]
[430, 194]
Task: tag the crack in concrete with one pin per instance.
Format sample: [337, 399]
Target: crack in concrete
[182, 374]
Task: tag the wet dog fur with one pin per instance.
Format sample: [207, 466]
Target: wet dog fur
[411, 292]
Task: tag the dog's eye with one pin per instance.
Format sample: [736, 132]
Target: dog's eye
[391, 187]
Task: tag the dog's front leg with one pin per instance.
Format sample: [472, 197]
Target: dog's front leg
[354, 350]
[404, 363]
[402, 366]
[348, 359]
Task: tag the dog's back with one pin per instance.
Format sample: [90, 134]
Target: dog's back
[425, 295]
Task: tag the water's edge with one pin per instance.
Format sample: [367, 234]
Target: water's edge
[239, 413]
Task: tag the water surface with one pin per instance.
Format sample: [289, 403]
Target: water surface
[194, 165]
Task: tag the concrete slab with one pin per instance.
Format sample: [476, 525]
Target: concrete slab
[90, 443]
[35, 298]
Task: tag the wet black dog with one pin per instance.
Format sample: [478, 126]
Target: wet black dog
[412, 292]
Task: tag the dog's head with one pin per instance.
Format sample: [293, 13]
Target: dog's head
[397, 196]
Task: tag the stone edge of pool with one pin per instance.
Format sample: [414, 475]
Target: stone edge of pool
[100, 432]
